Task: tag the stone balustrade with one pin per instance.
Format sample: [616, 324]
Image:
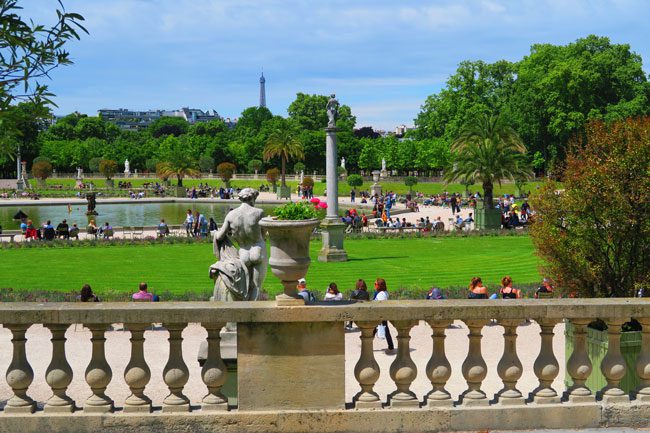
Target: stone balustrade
[291, 368]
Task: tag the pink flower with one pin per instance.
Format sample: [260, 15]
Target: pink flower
[315, 200]
[322, 205]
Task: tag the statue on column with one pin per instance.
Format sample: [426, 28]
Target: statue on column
[332, 111]
[127, 168]
[343, 163]
[383, 164]
[239, 274]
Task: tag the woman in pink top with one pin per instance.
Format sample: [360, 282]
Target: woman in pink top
[142, 294]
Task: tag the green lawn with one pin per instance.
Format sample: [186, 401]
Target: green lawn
[319, 187]
[179, 268]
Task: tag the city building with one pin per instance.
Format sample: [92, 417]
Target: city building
[130, 119]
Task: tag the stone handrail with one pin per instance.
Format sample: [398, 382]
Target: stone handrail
[293, 359]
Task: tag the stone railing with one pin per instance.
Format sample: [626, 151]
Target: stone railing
[291, 368]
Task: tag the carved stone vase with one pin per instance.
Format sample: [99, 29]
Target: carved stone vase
[289, 258]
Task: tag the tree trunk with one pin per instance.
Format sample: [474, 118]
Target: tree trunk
[488, 200]
[180, 181]
[284, 163]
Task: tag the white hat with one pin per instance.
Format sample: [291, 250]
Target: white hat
[302, 281]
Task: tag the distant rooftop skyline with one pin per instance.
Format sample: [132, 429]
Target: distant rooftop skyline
[382, 58]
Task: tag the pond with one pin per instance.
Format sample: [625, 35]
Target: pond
[118, 215]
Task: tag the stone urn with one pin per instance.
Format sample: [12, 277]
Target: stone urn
[289, 258]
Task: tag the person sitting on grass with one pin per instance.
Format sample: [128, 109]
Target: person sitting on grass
[477, 290]
[86, 294]
[142, 294]
[507, 291]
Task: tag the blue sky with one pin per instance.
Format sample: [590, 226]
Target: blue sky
[381, 57]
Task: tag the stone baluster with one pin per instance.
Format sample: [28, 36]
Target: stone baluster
[509, 367]
[367, 370]
[438, 368]
[176, 373]
[613, 365]
[403, 370]
[98, 373]
[137, 373]
[214, 370]
[59, 373]
[642, 392]
[579, 365]
[474, 367]
[546, 366]
[19, 374]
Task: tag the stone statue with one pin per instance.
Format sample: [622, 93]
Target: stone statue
[80, 173]
[332, 111]
[383, 164]
[343, 162]
[239, 274]
[127, 167]
[92, 203]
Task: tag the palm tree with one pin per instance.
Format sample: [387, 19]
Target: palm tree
[179, 165]
[488, 150]
[283, 143]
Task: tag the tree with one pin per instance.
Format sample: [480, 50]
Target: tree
[226, 170]
[366, 132]
[42, 170]
[487, 150]
[310, 112]
[592, 235]
[272, 176]
[410, 181]
[355, 181]
[206, 163]
[30, 51]
[162, 172]
[308, 182]
[254, 165]
[298, 167]
[93, 164]
[559, 88]
[176, 161]
[163, 126]
[108, 167]
[476, 87]
[251, 120]
[284, 144]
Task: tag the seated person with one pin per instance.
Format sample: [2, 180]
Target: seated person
[92, 229]
[74, 231]
[545, 290]
[86, 294]
[30, 232]
[62, 230]
[469, 219]
[163, 229]
[142, 294]
[106, 230]
[48, 231]
[435, 293]
[477, 290]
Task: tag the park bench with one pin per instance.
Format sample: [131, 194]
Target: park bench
[137, 231]
[127, 231]
[8, 236]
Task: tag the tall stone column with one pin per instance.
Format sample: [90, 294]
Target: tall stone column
[333, 230]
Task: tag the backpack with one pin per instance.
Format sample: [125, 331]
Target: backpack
[311, 296]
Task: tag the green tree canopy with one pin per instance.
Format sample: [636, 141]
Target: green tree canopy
[168, 126]
[176, 161]
[284, 144]
[593, 236]
[488, 150]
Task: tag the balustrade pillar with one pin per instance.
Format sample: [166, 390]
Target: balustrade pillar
[509, 367]
[579, 365]
[214, 370]
[176, 373]
[403, 370]
[613, 365]
[438, 368]
[367, 370]
[19, 374]
[546, 366]
[474, 367]
[137, 373]
[98, 373]
[642, 392]
[59, 373]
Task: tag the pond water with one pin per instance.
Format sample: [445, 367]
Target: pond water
[118, 215]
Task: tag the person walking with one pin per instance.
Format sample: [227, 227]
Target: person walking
[381, 294]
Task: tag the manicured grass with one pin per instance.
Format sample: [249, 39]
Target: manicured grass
[426, 188]
[181, 268]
